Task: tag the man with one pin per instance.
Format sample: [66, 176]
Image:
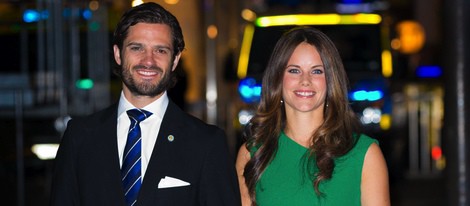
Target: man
[174, 159]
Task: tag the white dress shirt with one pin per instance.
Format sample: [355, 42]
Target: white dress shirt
[149, 127]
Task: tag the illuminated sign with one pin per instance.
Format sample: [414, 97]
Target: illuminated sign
[249, 90]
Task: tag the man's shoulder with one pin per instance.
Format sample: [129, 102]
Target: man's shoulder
[188, 120]
[97, 117]
[193, 123]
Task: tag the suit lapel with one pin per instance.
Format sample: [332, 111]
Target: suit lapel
[162, 156]
[107, 129]
[109, 132]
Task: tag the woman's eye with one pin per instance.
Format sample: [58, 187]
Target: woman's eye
[293, 70]
[317, 71]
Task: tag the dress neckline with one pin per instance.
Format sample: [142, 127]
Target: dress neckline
[284, 135]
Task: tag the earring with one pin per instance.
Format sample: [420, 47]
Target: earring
[282, 101]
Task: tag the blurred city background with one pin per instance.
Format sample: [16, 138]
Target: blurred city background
[407, 61]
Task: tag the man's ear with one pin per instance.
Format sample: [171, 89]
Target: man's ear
[176, 61]
[117, 54]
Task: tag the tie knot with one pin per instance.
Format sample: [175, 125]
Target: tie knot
[138, 114]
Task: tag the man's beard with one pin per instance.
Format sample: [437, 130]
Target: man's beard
[147, 88]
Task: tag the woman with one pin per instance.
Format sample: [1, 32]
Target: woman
[304, 145]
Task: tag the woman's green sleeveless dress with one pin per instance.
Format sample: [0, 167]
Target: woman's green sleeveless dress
[286, 183]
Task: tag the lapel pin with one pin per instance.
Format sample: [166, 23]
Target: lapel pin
[171, 138]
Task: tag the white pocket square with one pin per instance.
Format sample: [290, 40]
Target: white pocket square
[168, 182]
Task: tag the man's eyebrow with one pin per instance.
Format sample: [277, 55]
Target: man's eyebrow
[159, 46]
[134, 44]
[162, 47]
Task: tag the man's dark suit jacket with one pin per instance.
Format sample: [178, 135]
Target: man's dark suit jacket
[87, 170]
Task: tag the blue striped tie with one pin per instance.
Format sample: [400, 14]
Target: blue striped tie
[131, 165]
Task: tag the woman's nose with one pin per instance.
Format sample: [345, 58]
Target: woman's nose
[305, 80]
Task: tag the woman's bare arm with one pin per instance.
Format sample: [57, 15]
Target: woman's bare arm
[374, 183]
[242, 158]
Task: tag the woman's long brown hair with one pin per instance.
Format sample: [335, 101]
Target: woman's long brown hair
[332, 139]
